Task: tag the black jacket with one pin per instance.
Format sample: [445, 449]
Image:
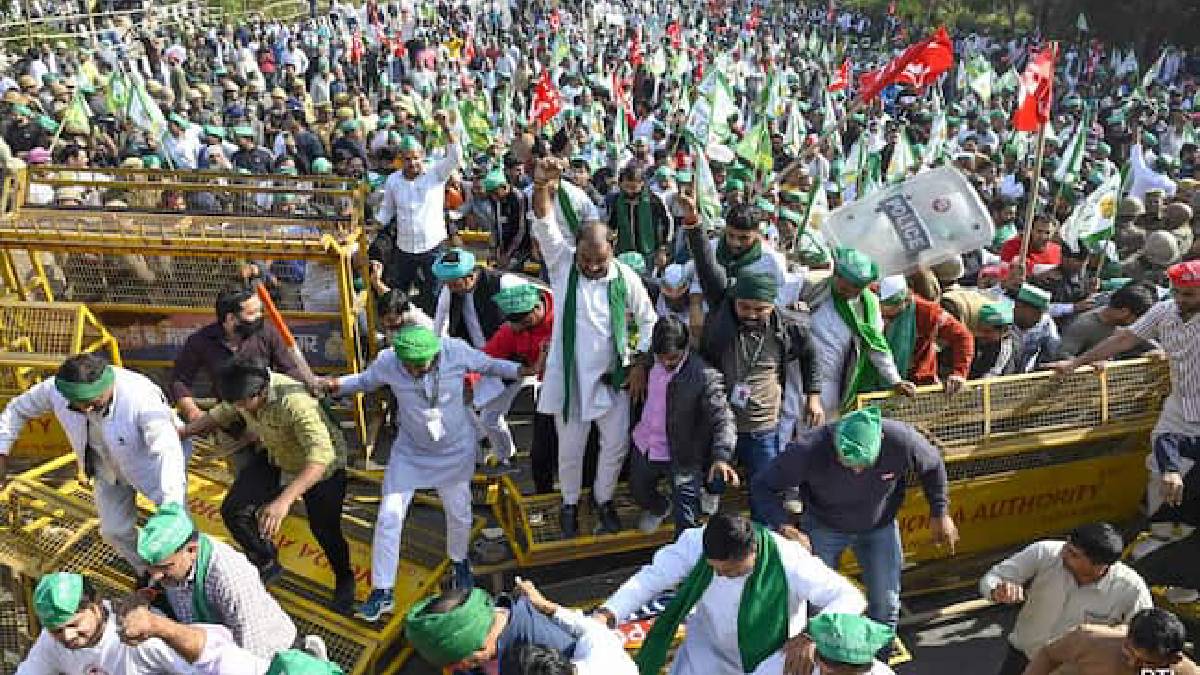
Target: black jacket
[721, 325]
[700, 426]
[490, 316]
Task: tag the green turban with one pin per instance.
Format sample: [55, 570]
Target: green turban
[47, 122]
[849, 638]
[56, 598]
[165, 533]
[416, 344]
[455, 263]
[750, 286]
[409, 143]
[996, 314]
[243, 132]
[734, 184]
[855, 266]
[442, 639]
[740, 172]
[296, 662]
[152, 162]
[211, 130]
[1032, 295]
[519, 299]
[494, 179]
[633, 260]
[859, 436]
[348, 126]
[321, 165]
[1114, 284]
[81, 392]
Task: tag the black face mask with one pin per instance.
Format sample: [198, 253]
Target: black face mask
[247, 329]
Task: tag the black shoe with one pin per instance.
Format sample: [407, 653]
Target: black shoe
[270, 572]
[461, 576]
[343, 595]
[568, 518]
[608, 522]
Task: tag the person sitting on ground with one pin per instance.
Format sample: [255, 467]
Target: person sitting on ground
[1153, 642]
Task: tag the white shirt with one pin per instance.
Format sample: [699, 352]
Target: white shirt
[833, 341]
[593, 333]
[585, 209]
[1145, 178]
[418, 205]
[711, 645]
[598, 650]
[1055, 604]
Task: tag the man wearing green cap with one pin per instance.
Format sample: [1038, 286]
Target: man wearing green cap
[746, 592]
[413, 206]
[304, 458]
[995, 342]
[1142, 177]
[511, 240]
[207, 581]
[434, 448]
[1036, 333]
[852, 351]
[182, 142]
[846, 644]
[123, 434]
[592, 357]
[852, 477]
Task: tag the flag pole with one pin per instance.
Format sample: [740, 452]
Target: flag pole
[1035, 192]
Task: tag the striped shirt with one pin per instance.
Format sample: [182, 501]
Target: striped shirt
[238, 601]
[1181, 342]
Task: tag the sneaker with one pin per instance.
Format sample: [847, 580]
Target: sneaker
[607, 520]
[270, 572]
[314, 646]
[569, 520]
[378, 603]
[650, 521]
[343, 595]
[461, 574]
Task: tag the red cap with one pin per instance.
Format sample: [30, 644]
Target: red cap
[1185, 274]
[994, 271]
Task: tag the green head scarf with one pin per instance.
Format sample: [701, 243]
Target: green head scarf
[416, 344]
[80, 392]
[449, 637]
[165, 533]
[996, 314]
[409, 143]
[56, 598]
[519, 299]
[296, 662]
[455, 263]
[849, 638]
[751, 286]
[322, 166]
[858, 437]
[855, 266]
[1034, 296]
[494, 179]
[634, 260]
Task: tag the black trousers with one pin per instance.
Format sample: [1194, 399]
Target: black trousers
[414, 272]
[544, 453]
[257, 484]
[1014, 662]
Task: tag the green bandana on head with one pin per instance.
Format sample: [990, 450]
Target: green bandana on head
[494, 179]
[454, 264]
[416, 344]
[855, 266]
[1034, 296]
[636, 261]
[449, 637]
[516, 300]
[56, 598]
[858, 437]
[409, 143]
[997, 314]
[82, 392]
[165, 533]
[296, 662]
[849, 638]
[762, 287]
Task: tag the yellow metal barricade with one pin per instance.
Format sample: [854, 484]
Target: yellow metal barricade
[35, 337]
[148, 251]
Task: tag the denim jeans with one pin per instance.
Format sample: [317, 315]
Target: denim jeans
[755, 450]
[644, 476]
[879, 555]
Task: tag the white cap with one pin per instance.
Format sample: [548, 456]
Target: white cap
[891, 286]
[675, 276]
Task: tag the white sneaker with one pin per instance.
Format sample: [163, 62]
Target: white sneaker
[314, 646]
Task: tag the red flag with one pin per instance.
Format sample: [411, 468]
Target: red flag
[356, 47]
[892, 8]
[621, 98]
[841, 79]
[918, 65]
[1037, 90]
[674, 34]
[547, 102]
[555, 20]
[867, 79]
[635, 51]
[755, 17]
[830, 12]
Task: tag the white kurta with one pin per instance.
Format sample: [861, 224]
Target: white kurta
[711, 645]
[421, 460]
[593, 331]
[833, 341]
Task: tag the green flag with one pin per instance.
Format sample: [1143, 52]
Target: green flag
[1094, 219]
[1081, 23]
[980, 77]
[476, 124]
[708, 200]
[1071, 165]
[903, 159]
[755, 148]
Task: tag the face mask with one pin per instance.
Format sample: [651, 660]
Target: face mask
[246, 329]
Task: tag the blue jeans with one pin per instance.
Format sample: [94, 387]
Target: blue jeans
[644, 476]
[879, 555]
[755, 450]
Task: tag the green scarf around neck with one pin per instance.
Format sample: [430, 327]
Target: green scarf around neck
[200, 612]
[734, 264]
[568, 210]
[871, 339]
[618, 294]
[762, 618]
[901, 335]
[640, 239]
